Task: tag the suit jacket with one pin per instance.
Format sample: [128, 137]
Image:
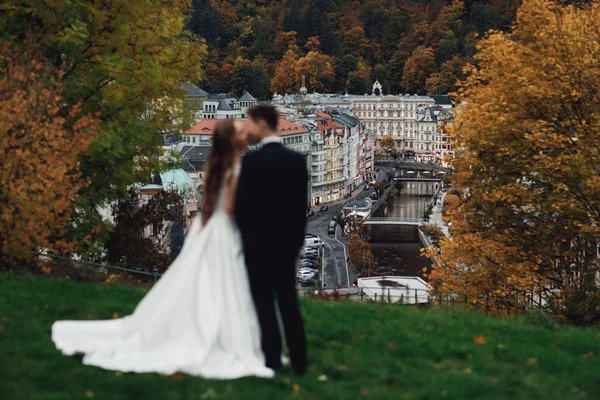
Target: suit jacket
[271, 201]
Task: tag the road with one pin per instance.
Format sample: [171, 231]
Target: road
[336, 274]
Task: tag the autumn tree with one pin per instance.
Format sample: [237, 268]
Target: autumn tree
[527, 228]
[388, 145]
[417, 69]
[317, 66]
[362, 259]
[41, 139]
[122, 60]
[354, 41]
[445, 81]
[359, 80]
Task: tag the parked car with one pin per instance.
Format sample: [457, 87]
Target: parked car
[323, 209]
[309, 254]
[305, 274]
[313, 242]
[313, 270]
[306, 281]
[331, 228]
[305, 262]
[310, 249]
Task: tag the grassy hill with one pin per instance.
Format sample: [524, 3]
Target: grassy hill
[356, 351]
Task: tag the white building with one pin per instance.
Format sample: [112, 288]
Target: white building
[419, 134]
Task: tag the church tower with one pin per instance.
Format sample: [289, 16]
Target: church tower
[377, 88]
[303, 89]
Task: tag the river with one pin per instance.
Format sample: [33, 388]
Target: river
[402, 257]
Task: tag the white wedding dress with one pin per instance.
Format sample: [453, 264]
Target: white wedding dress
[199, 318]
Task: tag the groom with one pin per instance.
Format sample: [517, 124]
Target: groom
[270, 206]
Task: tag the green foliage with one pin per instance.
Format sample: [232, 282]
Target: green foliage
[122, 61]
[128, 246]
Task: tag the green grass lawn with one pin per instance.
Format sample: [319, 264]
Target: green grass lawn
[356, 351]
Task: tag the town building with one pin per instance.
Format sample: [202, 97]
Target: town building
[194, 96]
[216, 106]
[419, 134]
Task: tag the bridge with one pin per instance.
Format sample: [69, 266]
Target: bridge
[408, 165]
[393, 221]
[410, 178]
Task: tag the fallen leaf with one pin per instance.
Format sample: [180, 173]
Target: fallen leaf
[492, 379]
[177, 377]
[91, 316]
[532, 360]
[118, 373]
[479, 340]
[89, 394]
[115, 315]
[322, 378]
[392, 345]
[296, 389]
[364, 391]
[468, 370]
[588, 355]
[355, 341]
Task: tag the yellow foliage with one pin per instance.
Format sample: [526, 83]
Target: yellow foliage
[40, 141]
[527, 135]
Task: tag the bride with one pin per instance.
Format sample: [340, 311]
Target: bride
[199, 318]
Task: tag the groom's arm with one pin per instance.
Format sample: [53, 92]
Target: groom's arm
[244, 198]
[302, 182]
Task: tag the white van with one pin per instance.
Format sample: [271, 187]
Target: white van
[313, 242]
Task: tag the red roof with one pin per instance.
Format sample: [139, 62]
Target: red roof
[324, 115]
[286, 127]
[204, 127]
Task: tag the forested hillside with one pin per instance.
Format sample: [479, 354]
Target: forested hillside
[416, 46]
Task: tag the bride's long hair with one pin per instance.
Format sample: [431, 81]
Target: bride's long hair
[220, 159]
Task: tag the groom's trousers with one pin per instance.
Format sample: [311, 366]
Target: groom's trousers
[272, 280]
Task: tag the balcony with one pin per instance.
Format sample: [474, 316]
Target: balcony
[336, 180]
[336, 168]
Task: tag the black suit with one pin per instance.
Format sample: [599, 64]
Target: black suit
[270, 211]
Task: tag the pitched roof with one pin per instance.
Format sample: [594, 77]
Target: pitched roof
[247, 97]
[346, 120]
[443, 99]
[193, 90]
[324, 115]
[204, 127]
[285, 128]
[194, 153]
[224, 105]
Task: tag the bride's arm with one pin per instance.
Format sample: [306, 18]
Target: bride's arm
[231, 192]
